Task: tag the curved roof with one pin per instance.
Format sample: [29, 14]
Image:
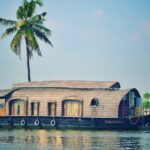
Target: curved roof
[5, 93]
[109, 99]
[71, 84]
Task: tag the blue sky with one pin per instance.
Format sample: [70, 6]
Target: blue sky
[93, 40]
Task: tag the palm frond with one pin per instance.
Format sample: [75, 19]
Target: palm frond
[37, 19]
[20, 13]
[27, 9]
[8, 32]
[31, 9]
[42, 29]
[41, 35]
[16, 43]
[37, 48]
[32, 42]
[32, 6]
[7, 22]
[39, 2]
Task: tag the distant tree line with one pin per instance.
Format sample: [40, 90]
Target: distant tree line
[146, 101]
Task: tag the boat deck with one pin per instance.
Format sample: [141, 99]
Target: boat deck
[73, 122]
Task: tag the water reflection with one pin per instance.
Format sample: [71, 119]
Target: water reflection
[73, 140]
[130, 143]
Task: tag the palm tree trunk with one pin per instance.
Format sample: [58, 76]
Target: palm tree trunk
[28, 66]
[28, 60]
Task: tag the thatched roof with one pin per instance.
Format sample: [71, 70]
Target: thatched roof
[70, 84]
[109, 100]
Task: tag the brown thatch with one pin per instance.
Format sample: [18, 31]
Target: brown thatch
[109, 100]
[107, 93]
[70, 84]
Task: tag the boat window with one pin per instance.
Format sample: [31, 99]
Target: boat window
[2, 105]
[131, 99]
[17, 107]
[72, 108]
[2, 108]
[138, 101]
[94, 102]
[35, 108]
[51, 108]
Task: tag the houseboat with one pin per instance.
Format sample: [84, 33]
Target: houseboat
[71, 104]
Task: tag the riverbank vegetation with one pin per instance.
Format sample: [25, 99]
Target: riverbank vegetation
[146, 103]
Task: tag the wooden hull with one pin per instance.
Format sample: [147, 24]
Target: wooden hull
[73, 122]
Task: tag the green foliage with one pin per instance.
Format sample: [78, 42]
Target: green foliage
[8, 31]
[28, 26]
[146, 102]
[27, 9]
[7, 22]
[147, 96]
[16, 43]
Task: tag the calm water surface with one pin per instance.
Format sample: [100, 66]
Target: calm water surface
[73, 140]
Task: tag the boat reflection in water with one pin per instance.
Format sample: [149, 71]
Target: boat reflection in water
[73, 139]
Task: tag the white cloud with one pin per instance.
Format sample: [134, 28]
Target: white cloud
[141, 33]
[99, 13]
[146, 27]
[136, 37]
[98, 22]
[91, 34]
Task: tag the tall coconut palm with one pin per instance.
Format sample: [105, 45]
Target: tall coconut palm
[28, 27]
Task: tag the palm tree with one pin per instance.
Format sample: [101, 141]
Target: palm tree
[28, 27]
[146, 102]
[147, 96]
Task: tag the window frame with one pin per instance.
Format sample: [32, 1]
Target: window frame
[48, 108]
[32, 108]
[72, 100]
[96, 101]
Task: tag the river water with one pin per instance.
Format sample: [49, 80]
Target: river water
[73, 140]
